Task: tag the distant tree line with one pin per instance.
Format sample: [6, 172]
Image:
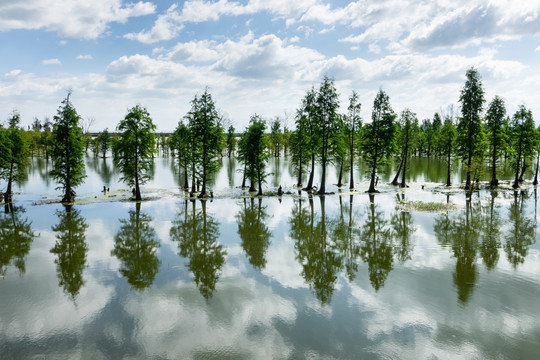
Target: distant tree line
[477, 134]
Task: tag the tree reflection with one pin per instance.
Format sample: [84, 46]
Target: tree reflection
[103, 169]
[522, 231]
[491, 234]
[16, 236]
[346, 234]
[402, 230]
[317, 254]
[462, 233]
[197, 234]
[376, 249]
[254, 232]
[71, 249]
[135, 245]
[231, 169]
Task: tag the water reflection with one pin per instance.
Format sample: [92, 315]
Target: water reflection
[16, 236]
[197, 233]
[71, 250]
[103, 168]
[254, 233]
[346, 234]
[316, 252]
[376, 248]
[491, 233]
[403, 228]
[522, 230]
[135, 245]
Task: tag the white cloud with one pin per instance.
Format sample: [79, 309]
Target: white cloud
[167, 27]
[70, 18]
[51, 62]
[537, 49]
[85, 57]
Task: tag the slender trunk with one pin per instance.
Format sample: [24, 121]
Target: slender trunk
[203, 190]
[309, 186]
[252, 185]
[9, 192]
[535, 181]
[403, 184]
[374, 169]
[186, 184]
[523, 168]
[244, 178]
[448, 182]
[351, 151]
[396, 181]
[322, 189]
[339, 183]
[259, 180]
[494, 182]
[515, 185]
[299, 182]
[469, 163]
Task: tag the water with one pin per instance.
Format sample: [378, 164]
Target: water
[344, 276]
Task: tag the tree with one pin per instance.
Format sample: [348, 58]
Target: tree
[16, 236]
[254, 232]
[104, 140]
[231, 141]
[469, 128]
[133, 150]
[207, 132]
[325, 124]
[180, 142]
[14, 152]
[276, 136]
[407, 137]
[353, 124]
[252, 151]
[309, 116]
[67, 150]
[300, 140]
[495, 123]
[447, 140]
[378, 135]
[523, 139]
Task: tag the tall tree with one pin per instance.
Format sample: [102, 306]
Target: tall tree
[325, 124]
[254, 232]
[353, 124]
[523, 139]
[207, 132]
[309, 110]
[133, 150]
[447, 140]
[68, 150]
[14, 154]
[104, 140]
[180, 142]
[378, 135]
[469, 128]
[253, 152]
[276, 136]
[407, 138]
[497, 137]
[231, 141]
[300, 139]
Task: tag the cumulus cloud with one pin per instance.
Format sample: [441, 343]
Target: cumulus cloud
[166, 27]
[84, 57]
[70, 18]
[51, 62]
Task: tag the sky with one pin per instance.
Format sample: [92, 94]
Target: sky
[259, 56]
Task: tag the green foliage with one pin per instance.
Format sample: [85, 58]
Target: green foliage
[67, 150]
[303, 138]
[379, 134]
[133, 150]
[14, 153]
[16, 236]
[252, 150]
[231, 141]
[104, 141]
[254, 233]
[470, 136]
[447, 140]
[206, 131]
[276, 136]
[497, 137]
[180, 142]
[523, 139]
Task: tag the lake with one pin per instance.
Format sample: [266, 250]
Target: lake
[342, 276]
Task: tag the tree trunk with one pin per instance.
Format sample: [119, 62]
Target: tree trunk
[523, 168]
[374, 170]
[535, 181]
[186, 184]
[515, 185]
[403, 184]
[340, 177]
[494, 182]
[351, 180]
[299, 182]
[469, 163]
[448, 182]
[395, 181]
[309, 186]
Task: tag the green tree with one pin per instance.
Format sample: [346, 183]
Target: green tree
[378, 135]
[207, 133]
[14, 152]
[104, 140]
[68, 150]
[523, 140]
[497, 137]
[325, 125]
[133, 151]
[469, 128]
[300, 140]
[180, 142]
[231, 141]
[71, 250]
[276, 136]
[353, 124]
[407, 137]
[309, 116]
[447, 141]
[252, 151]
[522, 230]
[135, 245]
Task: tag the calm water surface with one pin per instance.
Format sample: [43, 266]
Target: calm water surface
[345, 276]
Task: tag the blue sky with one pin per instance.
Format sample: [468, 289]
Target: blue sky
[261, 56]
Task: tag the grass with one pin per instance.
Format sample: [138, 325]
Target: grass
[425, 206]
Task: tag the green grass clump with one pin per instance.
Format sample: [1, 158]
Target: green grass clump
[425, 206]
